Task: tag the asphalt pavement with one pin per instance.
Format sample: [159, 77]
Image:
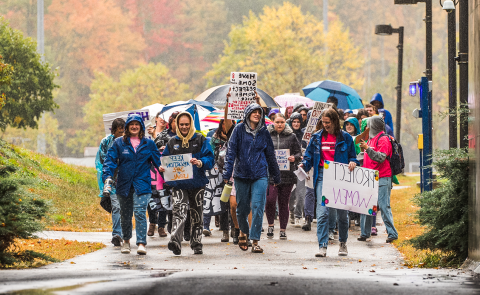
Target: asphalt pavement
[286, 267]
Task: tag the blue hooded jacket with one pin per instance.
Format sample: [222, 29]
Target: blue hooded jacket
[344, 152]
[353, 121]
[388, 117]
[133, 166]
[251, 152]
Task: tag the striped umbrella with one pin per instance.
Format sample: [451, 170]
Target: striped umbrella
[216, 116]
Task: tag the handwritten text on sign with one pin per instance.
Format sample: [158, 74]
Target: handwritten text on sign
[282, 159]
[318, 107]
[177, 167]
[356, 191]
[243, 87]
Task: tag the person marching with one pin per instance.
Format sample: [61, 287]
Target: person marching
[188, 192]
[251, 150]
[378, 150]
[135, 154]
[283, 138]
[333, 144]
[297, 197]
[118, 128]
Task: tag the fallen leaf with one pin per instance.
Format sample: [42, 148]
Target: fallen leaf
[71, 262]
[359, 260]
[372, 270]
[234, 268]
[304, 267]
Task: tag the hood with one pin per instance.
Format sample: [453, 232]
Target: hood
[287, 131]
[191, 132]
[377, 97]
[248, 110]
[274, 111]
[295, 116]
[376, 125]
[353, 121]
[135, 117]
[297, 106]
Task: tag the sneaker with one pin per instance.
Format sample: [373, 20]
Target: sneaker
[343, 249]
[125, 248]
[151, 229]
[283, 235]
[186, 236]
[314, 220]
[390, 240]
[141, 250]
[161, 232]
[298, 223]
[331, 237]
[198, 251]
[357, 222]
[374, 231]
[270, 232]
[321, 253]
[172, 246]
[307, 226]
[292, 218]
[207, 233]
[362, 239]
[225, 237]
[116, 241]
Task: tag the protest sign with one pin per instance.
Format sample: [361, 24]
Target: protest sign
[242, 90]
[177, 167]
[282, 159]
[213, 191]
[318, 107]
[355, 191]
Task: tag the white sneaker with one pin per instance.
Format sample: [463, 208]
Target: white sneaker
[298, 223]
[322, 253]
[331, 237]
[314, 221]
[343, 250]
[141, 250]
[126, 248]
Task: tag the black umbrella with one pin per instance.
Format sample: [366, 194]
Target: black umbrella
[218, 97]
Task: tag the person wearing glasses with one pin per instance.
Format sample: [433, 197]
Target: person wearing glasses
[332, 144]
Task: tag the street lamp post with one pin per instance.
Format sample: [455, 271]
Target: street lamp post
[463, 70]
[387, 30]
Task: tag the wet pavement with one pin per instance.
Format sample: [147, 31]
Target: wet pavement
[287, 267]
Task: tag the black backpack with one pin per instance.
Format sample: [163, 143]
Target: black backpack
[397, 162]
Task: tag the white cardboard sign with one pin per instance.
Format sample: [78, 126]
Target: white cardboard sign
[282, 159]
[355, 191]
[242, 90]
[318, 107]
[177, 167]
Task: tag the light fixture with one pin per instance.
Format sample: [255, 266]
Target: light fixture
[448, 5]
[412, 89]
[383, 30]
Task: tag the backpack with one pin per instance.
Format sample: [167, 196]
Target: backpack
[397, 162]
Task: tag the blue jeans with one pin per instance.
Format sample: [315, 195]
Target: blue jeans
[323, 217]
[366, 221]
[130, 205]
[332, 219]
[309, 208]
[116, 226]
[251, 195]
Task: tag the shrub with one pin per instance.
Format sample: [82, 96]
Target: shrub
[444, 211]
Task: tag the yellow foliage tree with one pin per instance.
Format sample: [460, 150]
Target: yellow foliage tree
[135, 89]
[288, 51]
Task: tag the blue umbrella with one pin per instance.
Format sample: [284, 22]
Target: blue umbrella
[198, 110]
[347, 97]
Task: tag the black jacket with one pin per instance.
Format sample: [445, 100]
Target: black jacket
[286, 140]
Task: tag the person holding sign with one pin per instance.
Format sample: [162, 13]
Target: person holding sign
[133, 154]
[378, 151]
[333, 144]
[283, 140]
[251, 150]
[189, 190]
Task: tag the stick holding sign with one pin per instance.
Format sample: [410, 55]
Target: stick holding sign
[282, 159]
[177, 167]
[355, 191]
[242, 93]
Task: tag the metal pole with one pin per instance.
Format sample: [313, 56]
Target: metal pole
[398, 122]
[41, 145]
[452, 80]
[426, 105]
[463, 65]
[428, 24]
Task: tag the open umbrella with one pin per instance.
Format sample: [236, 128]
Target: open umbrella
[289, 100]
[215, 117]
[218, 97]
[198, 110]
[347, 97]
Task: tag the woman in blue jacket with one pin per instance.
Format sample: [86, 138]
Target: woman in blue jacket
[251, 151]
[330, 143]
[133, 154]
[188, 192]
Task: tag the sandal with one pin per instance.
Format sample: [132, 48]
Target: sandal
[257, 249]
[242, 243]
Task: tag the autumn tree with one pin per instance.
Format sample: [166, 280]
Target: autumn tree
[287, 49]
[135, 89]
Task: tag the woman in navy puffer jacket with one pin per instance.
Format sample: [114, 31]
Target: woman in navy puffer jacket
[251, 151]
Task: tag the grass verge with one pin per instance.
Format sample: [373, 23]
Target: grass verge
[407, 225]
[58, 249]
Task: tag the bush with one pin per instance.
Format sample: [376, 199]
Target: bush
[444, 211]
[20, 217]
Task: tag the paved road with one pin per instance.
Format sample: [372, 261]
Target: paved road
[286, 267]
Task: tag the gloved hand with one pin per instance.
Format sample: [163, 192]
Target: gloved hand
[107, 187]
